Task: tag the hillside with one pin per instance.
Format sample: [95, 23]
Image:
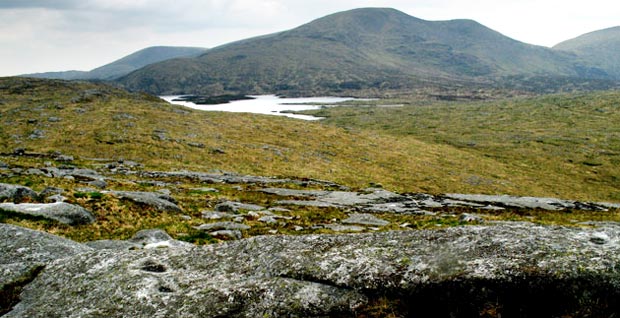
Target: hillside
[600, 48]
[126, 64]
[362, 50]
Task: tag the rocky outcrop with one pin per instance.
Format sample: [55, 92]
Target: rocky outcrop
[24, 253]
[511, 269]
[60, 211]
[146, 239]
[159, 201]
[16, 193]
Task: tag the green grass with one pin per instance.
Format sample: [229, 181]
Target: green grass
[565, 146]
[559, 145]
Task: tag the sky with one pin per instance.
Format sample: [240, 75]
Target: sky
[59, 35]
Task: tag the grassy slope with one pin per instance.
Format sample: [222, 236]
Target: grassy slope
[522, 147]
[559, 145]
[565, 146]
[253, 144]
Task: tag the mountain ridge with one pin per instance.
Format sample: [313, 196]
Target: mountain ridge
[598, 47]
[125, 64]
[361, 49]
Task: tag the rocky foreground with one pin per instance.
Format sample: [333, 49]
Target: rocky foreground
[511, 269]
[479, 267]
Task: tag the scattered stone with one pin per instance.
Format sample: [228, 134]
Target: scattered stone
[222, 226]
[98, 184]
[272, 231]
[214, 215]
[227, 234]
[156, 238]
[64, 158]
[344, 228]
[62, 212]
[185, 217]
[16, 193]
[196, 144]
[268, 219]
[279, 210]
[37, 134]
[50, 191]
[160, 134]
[365, 219]
[54, 119]
[294, 193]
[36, 172]
[551, 204]
[55, 198]
[470, 218]
[159, 201]
[3, 165]
[207, 190]
[218, 151]
[230, 206]
[298, 228]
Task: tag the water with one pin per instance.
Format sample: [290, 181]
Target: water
[266, 104]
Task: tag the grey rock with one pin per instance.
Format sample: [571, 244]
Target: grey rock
[406, 207]
[222, 226]
[54, 119]
[112, 245]
[551, 204]
[60, 211]
[230, 206]
[24, 250]
[470, 218]
[365, 219]
[98, 184]
[36, 172]
[522, 269]
[156, 238]
[64, 158]
[3, 165]
[227, 234]
[196, 144]
[343, 228]
[48, 191]
[55, 198]
[37, 134]
[16, 193]
[159, 201]
[214, 215]
[269, 219]
[211, 190]
[294, 193]
[314, 203]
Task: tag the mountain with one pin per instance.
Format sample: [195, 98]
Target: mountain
[126, 64]
[600, 48]
[361, 49]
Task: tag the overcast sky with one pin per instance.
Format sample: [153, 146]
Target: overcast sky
[55, 35]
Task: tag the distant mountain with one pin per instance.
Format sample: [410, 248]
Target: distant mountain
[361, 49]
[600, 48]
[126, 64]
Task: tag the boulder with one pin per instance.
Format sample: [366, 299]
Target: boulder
[230, 206]
[511, 269]
[156, 238]
[365, 219]
[24, 253]
[159, 201]
[59, 211]
[16, 193]
[222, 226]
